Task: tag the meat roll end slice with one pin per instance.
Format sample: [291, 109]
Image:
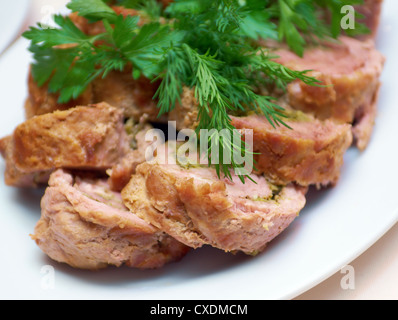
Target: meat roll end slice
[85, 225]
[88, 137]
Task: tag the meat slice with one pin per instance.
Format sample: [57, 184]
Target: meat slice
[310, 152]
[119, 89]
[197, 208]
[85, 225]
[40, 101]
[350, 71]
[134, 97]
[91, 137]
[371, 10]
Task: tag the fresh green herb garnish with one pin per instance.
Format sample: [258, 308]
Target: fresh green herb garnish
[301, 21]
[208, 45]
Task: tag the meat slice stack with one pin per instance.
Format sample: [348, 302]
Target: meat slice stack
[83, 222]
[86, 225]
[147, 214]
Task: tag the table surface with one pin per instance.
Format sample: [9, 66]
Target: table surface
[374, 273]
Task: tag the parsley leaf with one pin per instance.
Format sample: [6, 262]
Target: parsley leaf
[93, 10]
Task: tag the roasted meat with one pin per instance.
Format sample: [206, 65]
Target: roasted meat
[40, 101]
[119, 89]
[91, 138]
[85, 225]
[310, 152]
[107, 204]
[197, 208]
[350, 71]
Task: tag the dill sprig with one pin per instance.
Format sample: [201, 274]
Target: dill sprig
[209, 46]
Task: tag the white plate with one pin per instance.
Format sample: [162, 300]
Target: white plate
[12, 16]
[336, 226]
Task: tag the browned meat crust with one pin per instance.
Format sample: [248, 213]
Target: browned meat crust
[15, 177]
[86, 225]
[197, 208]
[90, 137]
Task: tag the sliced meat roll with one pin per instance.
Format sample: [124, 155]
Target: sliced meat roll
[371, 10]
[197, 208]
[134, 97]
[350, 71]
[85, 225]
[310, 153]
[119, 89]
[91, 137]
[40, 101]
